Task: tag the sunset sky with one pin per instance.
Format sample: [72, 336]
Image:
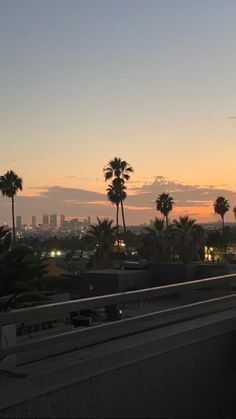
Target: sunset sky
[151, 81]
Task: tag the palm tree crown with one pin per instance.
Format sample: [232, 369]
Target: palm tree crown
[117, 168]
[189, 237]
[103, 237]
[119, 171]
[157, 241]
[164, 204]
[221, 206]
[10, 183]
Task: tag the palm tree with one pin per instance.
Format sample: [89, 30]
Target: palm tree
[156, 241]
[116, 193]
[164, 204]
[10, 183]
[102, 236]
[234, 211]
[221, 206]
[21, 274]
[120, 170]
[189, 237]
[117, 168]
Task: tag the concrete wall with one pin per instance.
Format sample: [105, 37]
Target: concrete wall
[109, 281]
[207, 270]
[194, 381]
[173, 273]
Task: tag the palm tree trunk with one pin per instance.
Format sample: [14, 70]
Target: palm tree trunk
[13, 219]
[123, 215]
[117, 225]
[167, 223]
[223, 230]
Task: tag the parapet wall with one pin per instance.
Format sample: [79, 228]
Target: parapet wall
[182, 370]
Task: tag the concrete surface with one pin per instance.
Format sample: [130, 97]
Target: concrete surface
[180, 370]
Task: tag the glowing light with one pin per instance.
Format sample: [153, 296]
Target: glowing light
[212, 254]
[120, 244]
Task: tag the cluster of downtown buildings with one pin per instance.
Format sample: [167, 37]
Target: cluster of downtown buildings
[51, 224]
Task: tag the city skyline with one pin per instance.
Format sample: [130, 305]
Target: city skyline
[152, 82]
[51, 221]
[140, 207]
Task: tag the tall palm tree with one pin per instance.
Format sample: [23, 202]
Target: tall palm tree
[102, 236]
[221, 206]
[120, 170]
[164, 204]
[116, 193]
[10, 183]
[189, 237]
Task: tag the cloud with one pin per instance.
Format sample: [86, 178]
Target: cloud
[185, 195]
[194, 200]
[61, 193]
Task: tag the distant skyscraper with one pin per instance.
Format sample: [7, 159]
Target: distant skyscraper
[87, 221]
[33, 221]
[53, 220]
[62, 220]
[18, 221]
[45, 220]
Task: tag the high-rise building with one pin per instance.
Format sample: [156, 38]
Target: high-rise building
[18, 221]
[45, 219]
[62, 220]
[87, 221]
[75, 224]
[53, 220]
[33, 221]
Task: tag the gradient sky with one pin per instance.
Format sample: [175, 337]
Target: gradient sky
[152, 81]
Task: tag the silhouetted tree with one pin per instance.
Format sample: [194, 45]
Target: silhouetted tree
[221, 206]
[215, 239]
[10, 183]
[120, 170]
[188, 236]
[164, 204]
[234, 211]
[156, 241]
[102, 236]
[20, 274]
[116, 194]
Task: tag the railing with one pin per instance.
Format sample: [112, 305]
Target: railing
[125, 326]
